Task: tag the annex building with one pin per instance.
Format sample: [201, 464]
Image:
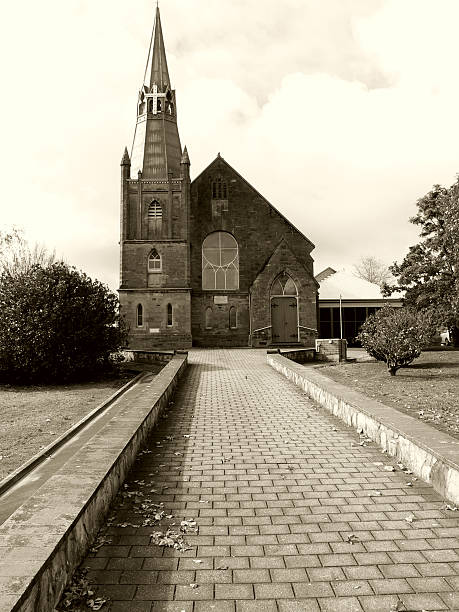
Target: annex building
[208, 262]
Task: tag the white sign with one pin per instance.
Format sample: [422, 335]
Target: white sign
[220, 299]
[154, 330]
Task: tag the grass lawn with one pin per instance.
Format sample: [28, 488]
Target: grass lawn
[428, 389]
[32, 417]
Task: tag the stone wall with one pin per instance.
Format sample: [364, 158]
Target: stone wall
[331, 349]
[154, 332]
[220, 333]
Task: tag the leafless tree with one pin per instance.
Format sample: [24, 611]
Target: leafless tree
[16, 255]
[372, 270]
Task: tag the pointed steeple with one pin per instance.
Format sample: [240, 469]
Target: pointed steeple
[185, 156]
[125, 161]
[157, 72]
[156, 149]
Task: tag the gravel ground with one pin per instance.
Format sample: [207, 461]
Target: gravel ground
[32, 417]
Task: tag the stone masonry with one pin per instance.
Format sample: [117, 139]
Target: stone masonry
[292, 513]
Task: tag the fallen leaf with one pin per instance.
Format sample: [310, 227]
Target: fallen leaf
[409, 518]
[352, 538]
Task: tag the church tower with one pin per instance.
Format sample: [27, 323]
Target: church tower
[155, 216]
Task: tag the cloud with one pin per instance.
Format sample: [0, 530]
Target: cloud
[342, 113]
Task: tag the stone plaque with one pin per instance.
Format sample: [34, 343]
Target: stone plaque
[154, 330]
[220, 299]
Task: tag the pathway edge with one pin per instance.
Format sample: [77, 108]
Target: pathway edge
[430, 454]
[45, 539]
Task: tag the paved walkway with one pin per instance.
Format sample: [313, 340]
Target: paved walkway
[292, 514]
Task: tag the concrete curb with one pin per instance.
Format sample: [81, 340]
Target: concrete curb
[44, 540]
[41, 456]
[432, 455]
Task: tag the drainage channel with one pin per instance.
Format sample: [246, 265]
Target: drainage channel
[16, 488]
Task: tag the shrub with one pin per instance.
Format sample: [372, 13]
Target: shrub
[56, 324]
[396, 336]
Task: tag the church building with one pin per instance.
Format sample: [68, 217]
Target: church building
[208, 262]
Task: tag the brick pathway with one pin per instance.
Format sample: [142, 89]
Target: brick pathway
[276, 487]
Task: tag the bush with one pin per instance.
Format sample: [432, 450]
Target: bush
[396, 336]
[56, 324]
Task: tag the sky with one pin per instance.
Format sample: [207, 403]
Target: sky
[342, 113]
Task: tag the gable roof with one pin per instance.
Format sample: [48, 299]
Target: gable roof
[283, 244]
[219, 158]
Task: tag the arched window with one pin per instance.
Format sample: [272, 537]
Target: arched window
[209, 318]
[154, 210]
[155, 218]
[219, 189]
[284, 285]
[169, 315]
[233, 318]
[139, 315]
[154, 261]
[220, 262]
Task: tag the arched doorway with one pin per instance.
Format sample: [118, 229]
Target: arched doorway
[284, 310]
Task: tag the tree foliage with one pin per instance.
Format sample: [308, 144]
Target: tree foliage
[56, 324]
[396, 335]
[429, 274]
[373, 270]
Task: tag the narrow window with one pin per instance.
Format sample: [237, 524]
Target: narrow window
[154, 261]
[155, 219]
[169, 315]
[139, 315]
[219, 189]
[209, 318]
[233, 318]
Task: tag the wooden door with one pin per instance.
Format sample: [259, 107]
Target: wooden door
[284, 320]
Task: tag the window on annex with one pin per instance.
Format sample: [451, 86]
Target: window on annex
[169, 315]
[284, 285]
[220, 262]
[139, 315]
[154, 261]
[208, 318]
[155, 218]
[233, 318]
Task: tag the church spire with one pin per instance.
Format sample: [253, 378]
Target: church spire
[156, 150]
[156, 70]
